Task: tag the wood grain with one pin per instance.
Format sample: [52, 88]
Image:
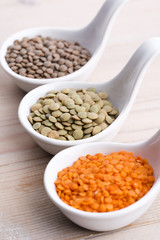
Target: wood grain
[26, 212]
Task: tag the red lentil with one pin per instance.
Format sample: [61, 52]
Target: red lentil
[104, 183]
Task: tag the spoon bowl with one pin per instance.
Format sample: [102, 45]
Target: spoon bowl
[122, 91]
[149, 149]
[93, 37]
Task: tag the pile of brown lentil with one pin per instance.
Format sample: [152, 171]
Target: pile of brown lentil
[104, 183]
[44, 57]
[72, 114]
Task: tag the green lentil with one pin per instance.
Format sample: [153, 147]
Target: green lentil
[69, 103]
[52, 119]
[75, 117]
[65, 116]
[37, 119]
[43, 116]
[62, 138]
[103, 95]
[88, 130]
[78, 100]
[113, 112]
[46, 109]
[79, 108]
[107, 102]
[47, 123]
[96, 130]
[37, 113]
[88, 125]
[87, 136]
[66, 124]
[56, 113]
[36, 125]
[75, 126]
[45, 131]
[95, 108]
[86, 120]
[53, 134]
[78, 123]
[68, 128]
[62, 132]
[109, 119]
[64, 109]
[82, 114]
[70, 138]
[92, 89]
[48, 101]
[54, 106]
[59, 125]
[101, 118]
[72, 114]
[87, 106]
[78, 134]
[36, 106]
[107, 108]
[30, 119]
[92, 115]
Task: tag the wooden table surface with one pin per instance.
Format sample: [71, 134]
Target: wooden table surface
[26, 212]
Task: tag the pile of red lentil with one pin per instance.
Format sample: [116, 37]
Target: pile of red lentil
[104, 183]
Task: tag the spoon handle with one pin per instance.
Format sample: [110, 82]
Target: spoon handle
[100, 26]
[129, 79]
[155, 138]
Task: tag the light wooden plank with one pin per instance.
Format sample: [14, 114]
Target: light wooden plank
[26, 212]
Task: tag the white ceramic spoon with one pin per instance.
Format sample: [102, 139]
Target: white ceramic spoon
[94, 37]
[122, 91]
[112, 220]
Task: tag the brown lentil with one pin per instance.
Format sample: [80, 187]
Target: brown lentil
[46, 57]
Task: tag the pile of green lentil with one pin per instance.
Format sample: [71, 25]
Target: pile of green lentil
[44, 57]
[72, 114]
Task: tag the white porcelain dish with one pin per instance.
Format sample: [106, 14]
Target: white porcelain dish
[122, 91]
[94, 37]
[110, 220]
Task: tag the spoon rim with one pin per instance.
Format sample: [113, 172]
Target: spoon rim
[56, 199]
[42, 90]
[14, 37]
